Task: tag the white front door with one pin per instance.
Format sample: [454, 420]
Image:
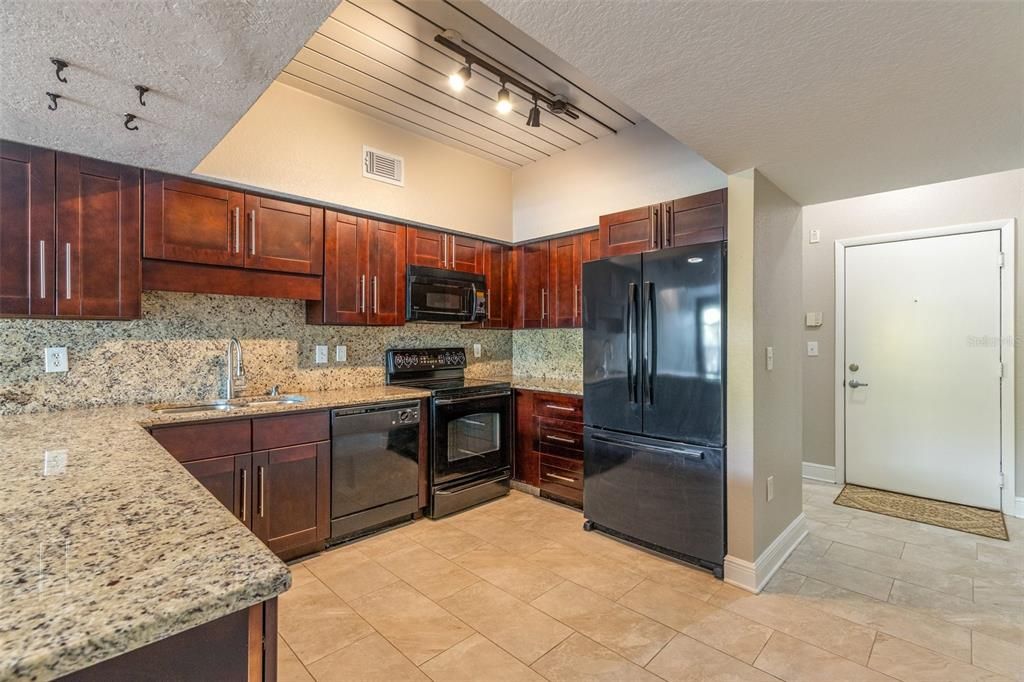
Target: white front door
[922, 342]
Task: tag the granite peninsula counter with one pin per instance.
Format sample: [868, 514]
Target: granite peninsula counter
[108, 544]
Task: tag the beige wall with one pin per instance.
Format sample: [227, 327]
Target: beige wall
[639, 166]
[970, 200]
[299, 144]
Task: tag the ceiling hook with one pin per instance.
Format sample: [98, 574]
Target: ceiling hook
[53, 100]
[128, 118]
[61, 65]
[142, 93]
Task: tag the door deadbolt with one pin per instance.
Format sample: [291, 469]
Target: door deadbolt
[854, 366]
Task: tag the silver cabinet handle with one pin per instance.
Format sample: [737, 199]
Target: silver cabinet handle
[245, 495]
[853, 383]
[252, 232]
[563, 408]
[67, 270]
[575, 301]
[560, 439]
[259, 497]
[655, 229]
[560, 478]
[453, 252]
[444, 248]
[234, 228]
[375, 294]
[543, 303]
[362, 295]
[42, 269]
[487, 293]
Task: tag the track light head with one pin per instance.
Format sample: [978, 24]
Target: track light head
[533, 120]
[458, 79]
[504, 103]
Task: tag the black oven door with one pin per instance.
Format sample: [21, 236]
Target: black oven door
[470, 435]
[436, 295]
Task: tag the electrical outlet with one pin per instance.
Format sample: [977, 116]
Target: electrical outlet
[769, 358]
[321, 355]
[476, 350]
[56, 359]
[54, 462]
[814, 236]
[341, 353]
[812, 349]
[771, 488]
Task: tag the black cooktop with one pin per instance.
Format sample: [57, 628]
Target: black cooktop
[438, 370]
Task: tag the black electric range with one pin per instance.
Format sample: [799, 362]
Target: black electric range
[470, 426]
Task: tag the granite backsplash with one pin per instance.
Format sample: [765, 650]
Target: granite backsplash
[176, 352]
[548, 353]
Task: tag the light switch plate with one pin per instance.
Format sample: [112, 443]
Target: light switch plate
[771, 488]
[321, 355]
[769, 358]
[476, 350]
[814, 236]
[812, 349]
[341, 353]
[56, 359]
[812, 319]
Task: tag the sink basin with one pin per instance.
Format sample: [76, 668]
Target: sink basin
[227, 405]
[277, 400]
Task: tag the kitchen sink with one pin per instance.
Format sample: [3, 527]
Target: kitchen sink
[278, 400]
[227, 405]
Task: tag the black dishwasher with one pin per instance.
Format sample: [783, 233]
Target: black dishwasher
[374, 467]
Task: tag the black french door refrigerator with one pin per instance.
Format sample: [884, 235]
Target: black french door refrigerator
[654, 400]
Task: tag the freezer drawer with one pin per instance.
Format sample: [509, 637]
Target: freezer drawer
[661, 493]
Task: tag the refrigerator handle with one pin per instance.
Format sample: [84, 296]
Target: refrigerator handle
[649, 348]
[630, 341]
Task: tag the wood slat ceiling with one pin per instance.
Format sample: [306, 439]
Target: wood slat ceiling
[379, 57]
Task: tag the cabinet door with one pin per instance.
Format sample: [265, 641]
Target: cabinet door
[283, 236]
[291, 494]
[229, 480]
[98, 262]
[566, 259]
[27, 219]
[191, 221]
[345, 272]
[465, 254]
[527, 461]
[386, 273]
[427, 247]
[498, 273]
[633, 231]
[532, 285]
[591, 245]
[695, 220]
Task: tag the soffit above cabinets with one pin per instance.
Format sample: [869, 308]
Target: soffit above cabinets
[379, 57]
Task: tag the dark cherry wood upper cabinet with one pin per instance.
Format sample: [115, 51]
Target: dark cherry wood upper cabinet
[565, 257]
[497, 267]
[628, 232]
[532, 272]
[591, 245]
[694, 220]
[386, 273]
[283, 236]
[291, 495]
[465, 254]
[192, 221]
[345, 268]
[426, 247]
[98, 231]
[27, 230]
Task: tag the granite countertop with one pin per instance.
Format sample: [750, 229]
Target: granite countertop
[108, 544]
[569, 386]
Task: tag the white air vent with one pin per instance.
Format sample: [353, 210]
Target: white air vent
[378, 165]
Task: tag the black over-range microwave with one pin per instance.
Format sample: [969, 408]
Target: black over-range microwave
[438, 295]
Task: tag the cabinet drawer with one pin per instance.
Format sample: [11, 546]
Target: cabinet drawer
[290, 429]
[558, 406]
[202, 441]
[559, 437]
[556, 475]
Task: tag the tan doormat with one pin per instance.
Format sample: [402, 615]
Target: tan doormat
[984, 522]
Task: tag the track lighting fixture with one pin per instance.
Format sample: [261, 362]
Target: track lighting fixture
[533, 120]
[504, 104]
[458, 79]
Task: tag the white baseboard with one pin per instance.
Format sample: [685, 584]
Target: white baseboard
[1018, 509]
[754, 576]
[819, 472]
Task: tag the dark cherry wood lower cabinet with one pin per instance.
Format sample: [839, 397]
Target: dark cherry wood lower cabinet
[549, 444]
[292, 506]
[238, 646]
[527, 461]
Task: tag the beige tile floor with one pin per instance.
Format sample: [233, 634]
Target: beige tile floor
[515, 590]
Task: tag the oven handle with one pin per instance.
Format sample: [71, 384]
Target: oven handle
[479, 396]
[471, 485]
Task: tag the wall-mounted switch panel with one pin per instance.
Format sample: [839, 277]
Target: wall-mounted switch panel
[814, 236]
[769, 358]
[321, 355]
[771, 488]
[341, 353]
[476, 350]
[56, 359]
[812, 349]
[812, 319]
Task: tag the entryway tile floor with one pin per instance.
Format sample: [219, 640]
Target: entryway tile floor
[516, 590]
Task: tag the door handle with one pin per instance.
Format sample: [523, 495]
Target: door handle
[575, 301]
[362, 293]
[245, 495]
[648, 359]
[259, 496]
[444, 243]
[543, 303]
[42, 269]
[234, 229]
[252, 232]
[655, 229]
[630, 342]
[853, 383]
[375, 294]
[67, 270]
[666, 233]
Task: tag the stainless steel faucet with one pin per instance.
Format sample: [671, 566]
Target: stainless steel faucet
[236, 372]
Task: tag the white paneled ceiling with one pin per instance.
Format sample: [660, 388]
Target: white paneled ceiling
[379, 57]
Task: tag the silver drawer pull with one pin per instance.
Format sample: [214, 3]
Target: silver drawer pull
[560, 478]
[42, 269]
[561, 440]
[552, 406]
[67, 270]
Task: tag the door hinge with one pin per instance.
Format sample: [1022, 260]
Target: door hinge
[1002, 480]
[1002, 259]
